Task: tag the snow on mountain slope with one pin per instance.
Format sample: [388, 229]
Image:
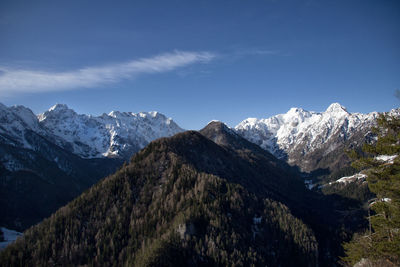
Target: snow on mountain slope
[352, 178]
[117, 134]
[108, 135]
[299, 132]
[14, 122]
[9, 237]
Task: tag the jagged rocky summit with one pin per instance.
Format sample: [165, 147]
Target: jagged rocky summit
[310, 139]
[117, 134]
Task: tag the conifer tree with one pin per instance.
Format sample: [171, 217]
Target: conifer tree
[380, 243]
[1, 235]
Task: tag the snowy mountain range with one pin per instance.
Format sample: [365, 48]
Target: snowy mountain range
[308, 139]
[117, 134]
[304, 138]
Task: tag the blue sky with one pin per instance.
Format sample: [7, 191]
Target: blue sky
[196, 61]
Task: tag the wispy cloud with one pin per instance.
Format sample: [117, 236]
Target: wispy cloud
[236, 53]
[21, 80]
[255, 52]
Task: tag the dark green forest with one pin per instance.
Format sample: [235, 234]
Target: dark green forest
[207, 198]
[160, 211]
[379, 244]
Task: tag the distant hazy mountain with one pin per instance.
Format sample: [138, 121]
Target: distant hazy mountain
[47, 160]
[308, 139]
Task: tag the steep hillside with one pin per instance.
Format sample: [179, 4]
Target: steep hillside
[183, 200]
[36, 182]
[249, 165]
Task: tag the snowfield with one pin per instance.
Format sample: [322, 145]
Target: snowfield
[9, 237]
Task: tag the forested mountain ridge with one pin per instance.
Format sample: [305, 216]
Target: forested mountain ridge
[181, 200]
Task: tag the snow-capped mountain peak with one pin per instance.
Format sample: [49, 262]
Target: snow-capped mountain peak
[113, 134]
[336, 109]
[115, 114]
[117, 134]
[295, 114]
[154, 113]
[296, 111]
[298, 132]
[58, 111]
[59, 107]
[26, 115]
[15, 121]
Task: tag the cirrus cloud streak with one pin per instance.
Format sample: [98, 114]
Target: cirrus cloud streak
[22, 81]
